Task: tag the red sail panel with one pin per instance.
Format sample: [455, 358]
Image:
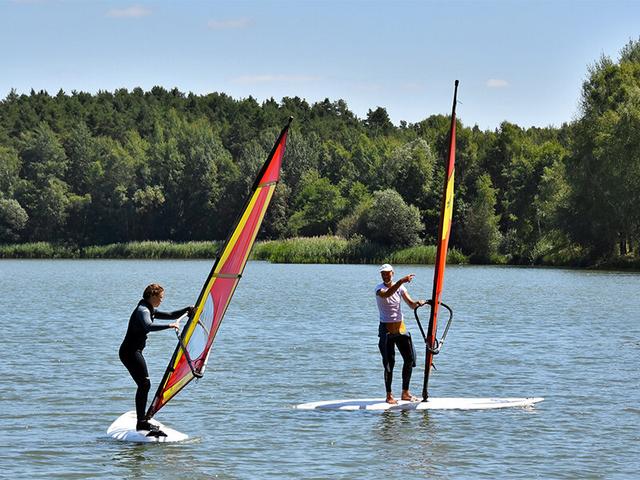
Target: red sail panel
[192, 352]
[272, 173]
[444, 229]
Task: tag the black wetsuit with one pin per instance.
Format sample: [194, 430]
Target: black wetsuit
[140, 324]
[386, 344]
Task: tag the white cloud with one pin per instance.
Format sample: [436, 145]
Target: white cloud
[253, 79]
[497, 83]
[134, 11]
[229, 24]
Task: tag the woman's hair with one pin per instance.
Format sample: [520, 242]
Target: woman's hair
[151, 290]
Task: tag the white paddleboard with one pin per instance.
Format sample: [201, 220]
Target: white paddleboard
[124, 428]
[431, 404]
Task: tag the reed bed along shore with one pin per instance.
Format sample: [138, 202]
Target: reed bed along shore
[330, 249]
[132, 250]
[327, 249]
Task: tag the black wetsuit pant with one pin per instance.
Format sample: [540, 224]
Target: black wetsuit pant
[137, 366]
[387, 344]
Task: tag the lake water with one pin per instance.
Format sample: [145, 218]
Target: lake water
[300, 333]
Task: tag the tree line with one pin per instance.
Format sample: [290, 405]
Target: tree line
[93, 169]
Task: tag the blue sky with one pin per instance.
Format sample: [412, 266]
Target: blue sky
[521, 61]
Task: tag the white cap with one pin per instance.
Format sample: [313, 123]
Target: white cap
[386, 268]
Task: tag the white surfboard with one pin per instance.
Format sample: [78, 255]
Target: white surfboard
[124, 428]
[431, 404]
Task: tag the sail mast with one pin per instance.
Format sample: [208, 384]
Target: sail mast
[444, 230]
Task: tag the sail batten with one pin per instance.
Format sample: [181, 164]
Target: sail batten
[194, 346]
[444, 230]
[227, 275]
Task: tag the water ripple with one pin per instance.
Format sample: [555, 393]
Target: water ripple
[297, 333]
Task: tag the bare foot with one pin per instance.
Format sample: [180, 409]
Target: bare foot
[391, 400]
[406, 395]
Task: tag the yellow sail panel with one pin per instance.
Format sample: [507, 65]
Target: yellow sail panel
[235, 253]
[448, 209]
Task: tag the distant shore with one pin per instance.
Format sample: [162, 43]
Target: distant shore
[326, 249]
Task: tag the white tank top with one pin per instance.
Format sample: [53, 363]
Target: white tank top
[389, 307]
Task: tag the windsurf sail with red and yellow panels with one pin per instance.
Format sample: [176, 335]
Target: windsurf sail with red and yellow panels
[444, 229]
[192, 352]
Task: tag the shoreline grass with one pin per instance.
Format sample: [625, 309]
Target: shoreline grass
[332, 249]
[130, 250]
[325, 249]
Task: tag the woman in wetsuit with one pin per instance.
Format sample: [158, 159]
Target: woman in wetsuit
[140, 324]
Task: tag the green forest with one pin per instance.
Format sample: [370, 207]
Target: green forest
[80, 169]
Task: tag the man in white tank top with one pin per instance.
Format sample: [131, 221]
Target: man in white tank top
[392, 330]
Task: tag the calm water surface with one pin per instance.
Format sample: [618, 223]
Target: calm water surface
[298, 333]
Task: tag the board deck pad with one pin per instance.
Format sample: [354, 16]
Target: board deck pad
[124, 429]
[444, 403]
